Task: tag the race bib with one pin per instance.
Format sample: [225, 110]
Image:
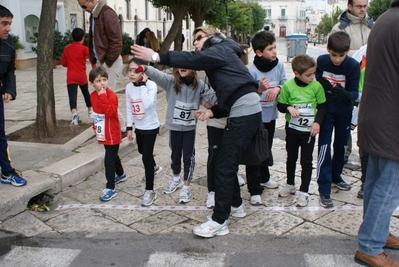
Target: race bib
[305, 119]
[183, 113]
[99, 124]
[138, 110]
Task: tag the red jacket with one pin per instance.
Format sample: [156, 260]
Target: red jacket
[107, 104]
[74, 58]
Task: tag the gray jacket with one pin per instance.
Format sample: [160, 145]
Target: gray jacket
[181, 107]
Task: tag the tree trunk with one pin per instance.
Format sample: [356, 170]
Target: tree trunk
[46, 123]
[178, 39]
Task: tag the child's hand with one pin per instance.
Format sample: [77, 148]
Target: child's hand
[263, 85]
[101, 91]
[129, 135]
[315, 129]
[203, 114]
[272, 94]
[294, 113]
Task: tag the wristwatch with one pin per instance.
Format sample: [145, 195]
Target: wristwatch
[154, 57]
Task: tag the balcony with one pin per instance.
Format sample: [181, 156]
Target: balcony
[282, 17]
[267, 19]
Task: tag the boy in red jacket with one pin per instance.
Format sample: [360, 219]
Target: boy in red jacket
[107, 129]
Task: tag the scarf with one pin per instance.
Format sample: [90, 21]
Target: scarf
[264, 65]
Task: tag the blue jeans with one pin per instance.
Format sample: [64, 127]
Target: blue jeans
[380, 200]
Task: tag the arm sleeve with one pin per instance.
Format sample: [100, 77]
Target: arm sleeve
[129, 112]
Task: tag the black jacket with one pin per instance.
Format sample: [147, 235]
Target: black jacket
[227, 74]
[7, 67]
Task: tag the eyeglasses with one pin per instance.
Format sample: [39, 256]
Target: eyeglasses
[361, 6]
[199, 37]
[85, 5]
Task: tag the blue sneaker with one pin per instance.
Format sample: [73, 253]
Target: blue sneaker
[108, 194]
[13, 179]
[121, 178]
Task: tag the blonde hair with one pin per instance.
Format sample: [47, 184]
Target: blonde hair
[207, 30]
[152, 42]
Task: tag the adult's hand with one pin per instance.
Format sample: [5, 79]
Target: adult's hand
[142, 52]
[6, 98]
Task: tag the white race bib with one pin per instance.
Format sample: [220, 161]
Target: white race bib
[183, 113]
[138, 109]
[99, 123]
[305, 119]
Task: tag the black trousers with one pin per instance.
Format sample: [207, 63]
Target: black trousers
[112, 165]
[145, 144]
[293, 143]
[264, 170]
[183, 143]
[214, 141]
[73, 95]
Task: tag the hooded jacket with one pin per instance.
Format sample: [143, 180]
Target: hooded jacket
[357, 28]
[227, 75]
[378, 127]
[107, 36]
[7, 67]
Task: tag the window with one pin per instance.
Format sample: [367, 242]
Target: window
[31, 27]
[268, 13]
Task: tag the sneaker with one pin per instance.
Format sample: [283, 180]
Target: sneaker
[360, 193]
[121, 178]
[238, 212]
[303, 199]
[157, 169]
[148, 198]
[256, 200]
[108, 194]
[241, 180]
[13, 179]
[326, 201]
[287, 190]
[90, 114]
[210, 201]
[211, 228]
[185, 195]
[270, 184]
[342, 186]
[172, 186]
[75, 121]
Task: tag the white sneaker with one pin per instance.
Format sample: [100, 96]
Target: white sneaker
[303, 199]
[270, 184]
[185, 195]
[241, 180]
[287, 190]
[238, 212]
[157, 169]
[210, 201]
[148, 198]
[90, 114]
[172, 186]
[75, 122]
[211, 228]
[256, 200]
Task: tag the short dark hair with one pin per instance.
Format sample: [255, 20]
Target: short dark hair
[261, 40]
[339, 42]
[97, 71]
[302, 63]
[78, 34]
[350, 2]
[4, 12]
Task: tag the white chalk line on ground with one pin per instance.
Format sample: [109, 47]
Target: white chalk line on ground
[154, 207]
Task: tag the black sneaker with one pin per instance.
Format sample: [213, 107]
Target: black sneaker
[360, 193]
[342, 186]
[326, 201]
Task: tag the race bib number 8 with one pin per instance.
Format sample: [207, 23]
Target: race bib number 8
[99, 123]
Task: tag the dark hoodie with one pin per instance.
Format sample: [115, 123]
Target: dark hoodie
[220, 59]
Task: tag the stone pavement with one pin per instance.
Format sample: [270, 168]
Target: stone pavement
[73, 172]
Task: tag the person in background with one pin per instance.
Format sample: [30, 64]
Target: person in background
[8, 89]
[141, 38]
[107, 129]
[303, 99]
[74, 59]
[152, 42]
[378, 135]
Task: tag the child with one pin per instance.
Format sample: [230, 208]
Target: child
[300, 97]
[183, 93]
[339, 75]
[141, 96]
[74, 58]
[107, 128]
[269, 72]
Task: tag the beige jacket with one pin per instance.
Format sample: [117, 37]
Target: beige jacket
[357, 28]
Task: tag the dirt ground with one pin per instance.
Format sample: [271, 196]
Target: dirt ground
[65, 134]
